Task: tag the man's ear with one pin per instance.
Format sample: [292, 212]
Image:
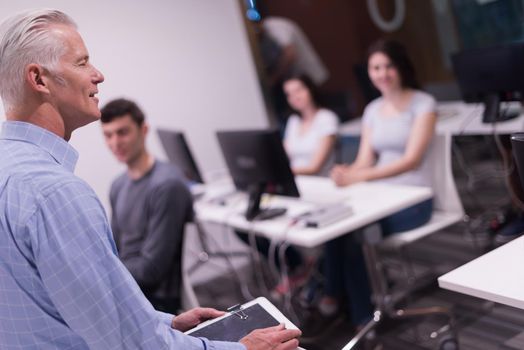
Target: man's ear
[145, 128]
[37, 78]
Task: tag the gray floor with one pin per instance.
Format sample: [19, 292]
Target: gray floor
[479, 324]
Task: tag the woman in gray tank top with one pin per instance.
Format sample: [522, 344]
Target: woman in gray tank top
[397, 131]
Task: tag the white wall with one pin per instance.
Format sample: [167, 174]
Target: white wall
[186, 62]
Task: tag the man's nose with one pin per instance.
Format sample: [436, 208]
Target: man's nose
[98, 77]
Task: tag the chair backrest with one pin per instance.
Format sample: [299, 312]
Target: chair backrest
[346, 148]
[445, 195]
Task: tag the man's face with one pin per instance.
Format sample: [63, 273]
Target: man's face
[73, 84]
[125, 138]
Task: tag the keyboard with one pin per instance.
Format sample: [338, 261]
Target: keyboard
[326, 215]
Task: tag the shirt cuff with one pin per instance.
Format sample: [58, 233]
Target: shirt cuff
[222, 345]
[166, 318]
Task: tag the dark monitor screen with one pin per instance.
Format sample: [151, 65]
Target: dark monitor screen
[258, 163]
[178, 153]
[491, 75]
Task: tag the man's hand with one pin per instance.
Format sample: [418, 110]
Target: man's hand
[189, 319]
[272, 338]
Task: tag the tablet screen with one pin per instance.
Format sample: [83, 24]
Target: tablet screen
[233, 328]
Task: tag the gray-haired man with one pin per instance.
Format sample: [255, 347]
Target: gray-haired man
[62, 285]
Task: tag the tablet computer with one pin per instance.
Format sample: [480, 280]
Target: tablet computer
[236, 324]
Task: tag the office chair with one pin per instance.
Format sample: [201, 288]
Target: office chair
[447, 211]
[206, 253]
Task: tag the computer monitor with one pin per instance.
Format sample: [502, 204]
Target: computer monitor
[178, 153]
[491, 75]
[258, 163]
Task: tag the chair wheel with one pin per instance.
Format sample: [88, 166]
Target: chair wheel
[448, 342]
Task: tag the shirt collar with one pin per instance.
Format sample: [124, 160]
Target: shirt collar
[56, 146]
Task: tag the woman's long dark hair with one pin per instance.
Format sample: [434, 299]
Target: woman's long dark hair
[399, 58]
[312, 88]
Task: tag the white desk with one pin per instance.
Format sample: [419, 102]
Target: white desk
[370, 202]
[496, 276]
[456, 118]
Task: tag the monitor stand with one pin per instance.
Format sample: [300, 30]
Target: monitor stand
[492, 112]
[254, 212]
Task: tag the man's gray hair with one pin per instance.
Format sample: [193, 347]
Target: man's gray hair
[26, 38]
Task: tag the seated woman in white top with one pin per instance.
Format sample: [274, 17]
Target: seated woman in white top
[309, 140]
[311, 130]
[397, 131]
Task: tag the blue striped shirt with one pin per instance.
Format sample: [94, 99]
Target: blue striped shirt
[62, 285]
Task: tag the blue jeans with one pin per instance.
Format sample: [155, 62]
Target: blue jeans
[345, 268]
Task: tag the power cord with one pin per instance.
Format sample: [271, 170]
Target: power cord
[259, 273]
[244, 289]
[469, 118]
